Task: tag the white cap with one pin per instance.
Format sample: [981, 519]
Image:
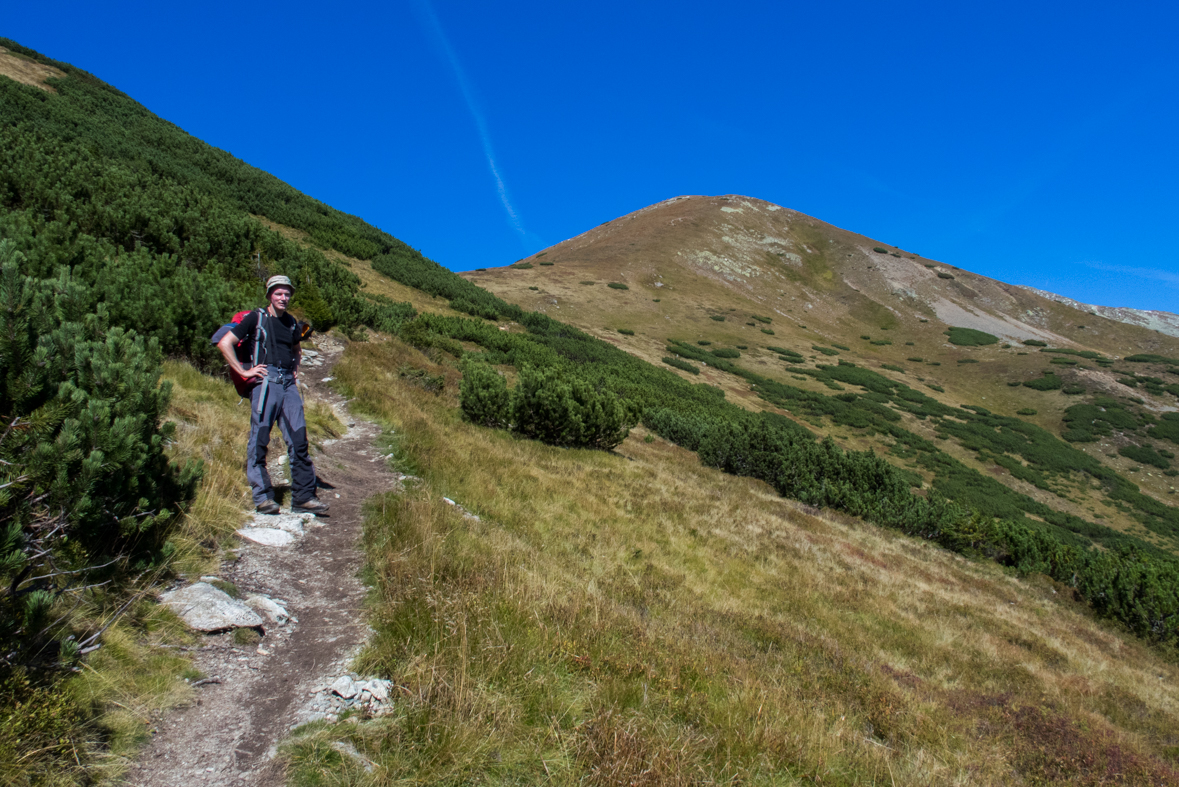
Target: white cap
[278, 281]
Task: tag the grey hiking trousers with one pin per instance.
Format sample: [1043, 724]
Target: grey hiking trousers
[277, 399]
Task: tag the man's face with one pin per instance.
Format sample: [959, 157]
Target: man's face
[280, 296]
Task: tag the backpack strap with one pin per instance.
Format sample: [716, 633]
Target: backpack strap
[260, 335]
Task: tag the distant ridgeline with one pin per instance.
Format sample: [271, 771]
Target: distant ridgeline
[103, 199]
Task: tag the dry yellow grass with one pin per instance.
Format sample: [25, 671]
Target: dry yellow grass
[26, 71]
[635, 618]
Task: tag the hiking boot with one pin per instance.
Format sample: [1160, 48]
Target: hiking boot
[268, 507]
[311, 505]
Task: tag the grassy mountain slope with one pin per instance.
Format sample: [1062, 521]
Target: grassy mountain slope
[635, 617]
[740, 272]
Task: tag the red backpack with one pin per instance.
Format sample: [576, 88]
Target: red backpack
[245, 353]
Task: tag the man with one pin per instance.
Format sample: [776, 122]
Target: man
[274, 397]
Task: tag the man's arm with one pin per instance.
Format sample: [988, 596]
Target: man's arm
[226, 346]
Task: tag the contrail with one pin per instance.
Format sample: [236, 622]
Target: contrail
[473, 107]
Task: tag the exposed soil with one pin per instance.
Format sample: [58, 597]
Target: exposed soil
[27, 71]
[257, 693]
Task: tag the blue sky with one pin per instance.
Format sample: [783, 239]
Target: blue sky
[1031, 142]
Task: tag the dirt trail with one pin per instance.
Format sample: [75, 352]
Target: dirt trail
[257, 693]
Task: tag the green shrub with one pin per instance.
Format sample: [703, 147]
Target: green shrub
[968, 337]
[522, 266]
[892, 367]
[879, 250]
[881, 342]
[703, 342]
[626, 331]
[717, 317]
[768, 331]
[759, 318]
[1034, 343]
[617, 285]
[483, 395]
[84, 478]
[840, 347]
[742, 346]
[534, 288]
[545, 263]
[1073, 389]
[587, 283]
[967, 360]
[824, 350]
[866, 337]
[937, 388]
[1026, 411]
[563, 410]
[680, 363]
[656, 300]
[725, 352]
[542, 254]
[1049, 382]
[1144, 455]
[944, 275]
[916, 359]
[1151, 358]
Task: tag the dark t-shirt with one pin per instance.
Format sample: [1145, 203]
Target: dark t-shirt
[279, 349]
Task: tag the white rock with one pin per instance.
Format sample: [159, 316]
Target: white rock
[268, 607]
[266, 536]
[292, 523]
[344, 687]
[327, 379]
[205, 608]
[379, 689]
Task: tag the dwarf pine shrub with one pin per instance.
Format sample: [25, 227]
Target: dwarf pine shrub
[681, 364]
[83, 475]
[554, 408]
[968, 337]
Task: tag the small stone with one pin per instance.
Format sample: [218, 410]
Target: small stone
[267, 607]
[344, 687]
[379, 689]
[292, 523]
[266, 536]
